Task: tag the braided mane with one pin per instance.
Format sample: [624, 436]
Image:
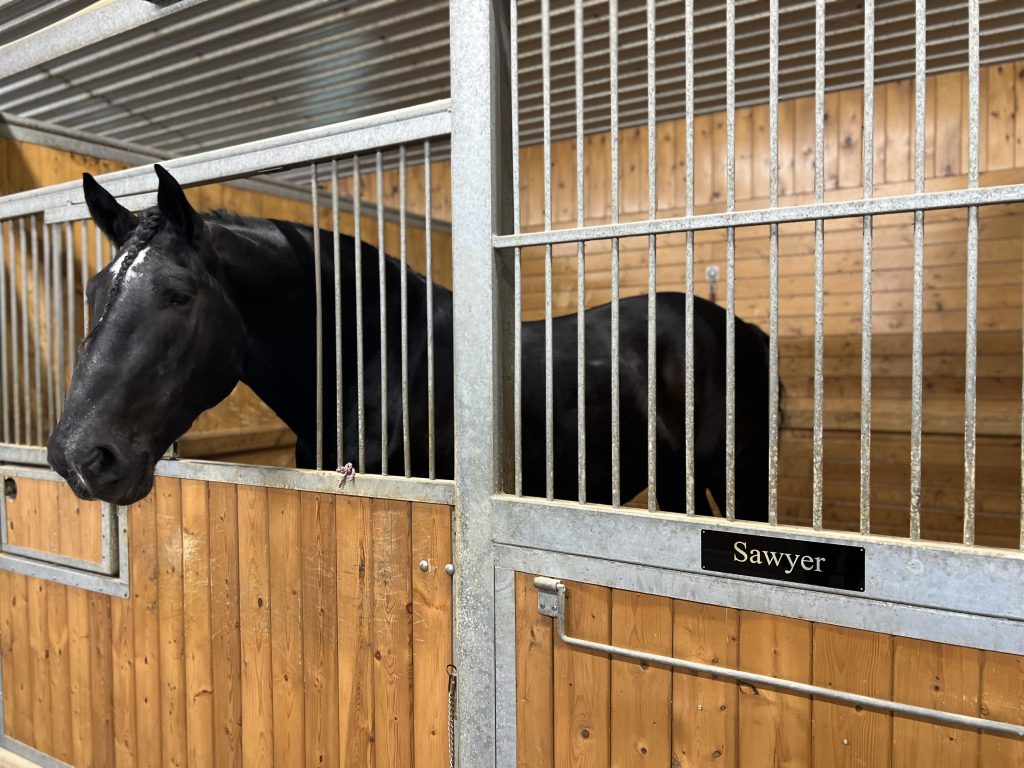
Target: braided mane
[149, 224]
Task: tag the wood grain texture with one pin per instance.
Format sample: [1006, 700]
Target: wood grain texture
[431, 631]
[534, 675]
[199, 685]
[146, 636]
[171, 617]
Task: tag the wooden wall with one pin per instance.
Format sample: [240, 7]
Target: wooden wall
[241, 428]
[576, 708]
[264, 627]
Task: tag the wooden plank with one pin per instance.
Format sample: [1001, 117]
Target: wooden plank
[858, 662]
[534, 669]
[1002, 680]
[225, 621]
[949, 126]
[899, 130]
[771, 722]
[880, 137]
[145, 604]
[641, 695]
[704, 709]
[942, 677]
[286, 613]
[1000, 117]
[102, 679]
[718, 158]
[254, 612]
[431, 630]
[582, 695]
[803, 145]
[123, 671]
[703, 159]
[744, 153]
[199, 686]
[18, 718]
[172, 631]
[831, 131]
[392, 634]
[760, 162]
[319, 628]
[355, 630]
[81, 691]
[38, 637]
[1019, 115]
[8, 607]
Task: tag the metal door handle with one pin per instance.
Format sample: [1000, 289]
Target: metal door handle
[551, 602]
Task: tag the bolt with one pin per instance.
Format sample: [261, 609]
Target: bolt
[424, 566]
[449, 569]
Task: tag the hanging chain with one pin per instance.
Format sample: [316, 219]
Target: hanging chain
[453, 682]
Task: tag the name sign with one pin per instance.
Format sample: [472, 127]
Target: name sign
[838, 566]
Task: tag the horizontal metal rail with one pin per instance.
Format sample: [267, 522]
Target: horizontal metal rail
[401, 126]
[878, 206]
[551, 602]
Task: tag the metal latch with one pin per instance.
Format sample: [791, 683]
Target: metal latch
[549, 596]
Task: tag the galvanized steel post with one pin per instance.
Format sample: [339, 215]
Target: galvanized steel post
[482, 278]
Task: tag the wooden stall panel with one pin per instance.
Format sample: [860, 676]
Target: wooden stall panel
[48, 517]
[264, 627]
[577, 708]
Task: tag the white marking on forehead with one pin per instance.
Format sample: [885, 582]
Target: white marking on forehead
[133, 270]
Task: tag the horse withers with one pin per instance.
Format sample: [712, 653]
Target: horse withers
[194, 303]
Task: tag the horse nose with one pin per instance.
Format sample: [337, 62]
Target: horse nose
[98, 465]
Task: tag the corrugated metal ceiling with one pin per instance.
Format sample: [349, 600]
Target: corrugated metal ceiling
[216, 74]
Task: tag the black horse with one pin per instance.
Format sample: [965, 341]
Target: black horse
[194, 304]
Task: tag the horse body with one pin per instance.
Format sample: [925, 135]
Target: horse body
[250, 315]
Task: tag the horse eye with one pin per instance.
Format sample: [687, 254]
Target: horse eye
[177, 299]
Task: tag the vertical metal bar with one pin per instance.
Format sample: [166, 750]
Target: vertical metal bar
[691, 489]
[917, 348]
[357, 215]
[26, 379]
[404, 299]
[84, 240]
[868, 144]
[339, 382]
[4, 347]
[314, 192]
[99, 249]
[970, 392]
[652, 274]
[613, 79]
[517, 340]
[69, 274]
[581, 267]
[13, 300]
[773, 265]
[382, 288]
[549, 385]
[730, 261]
[57, 305]
[46, 324]
[819, 262]
[427, 214]
[37, 389]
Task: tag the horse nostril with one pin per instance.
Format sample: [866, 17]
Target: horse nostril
[101, 459]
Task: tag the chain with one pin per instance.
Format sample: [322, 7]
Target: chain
[453, 683]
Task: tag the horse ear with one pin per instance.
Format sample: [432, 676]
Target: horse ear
[116, 221]
[171, 201]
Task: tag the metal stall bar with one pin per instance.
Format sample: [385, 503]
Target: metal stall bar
[404, 302]
[314, 192]
[652, 252]
[551, 597]
[382, 289]
[339, 388]
[4, 394]
[613, 66]
[482, 313]
[773, 264]
[970, 384]
[357, 229]
[45, 326]
[37, 378]
[730, 261]
[581, 266]
[819, 264]
[83, 237]
[868, 157]
[689, 405]
[12, 300]
[839, 209]
[549, 383]
[26, 381]
[69, 274]
[917, 350]
[58, 317]
[517, 281]
[427, 235]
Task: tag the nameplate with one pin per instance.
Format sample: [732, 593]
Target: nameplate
[784, 559]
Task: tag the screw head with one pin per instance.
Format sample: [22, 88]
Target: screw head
[449, 569]
[424, 566]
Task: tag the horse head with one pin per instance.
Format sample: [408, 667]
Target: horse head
[167, 343]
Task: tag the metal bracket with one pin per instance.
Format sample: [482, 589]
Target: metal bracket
[551, 596]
